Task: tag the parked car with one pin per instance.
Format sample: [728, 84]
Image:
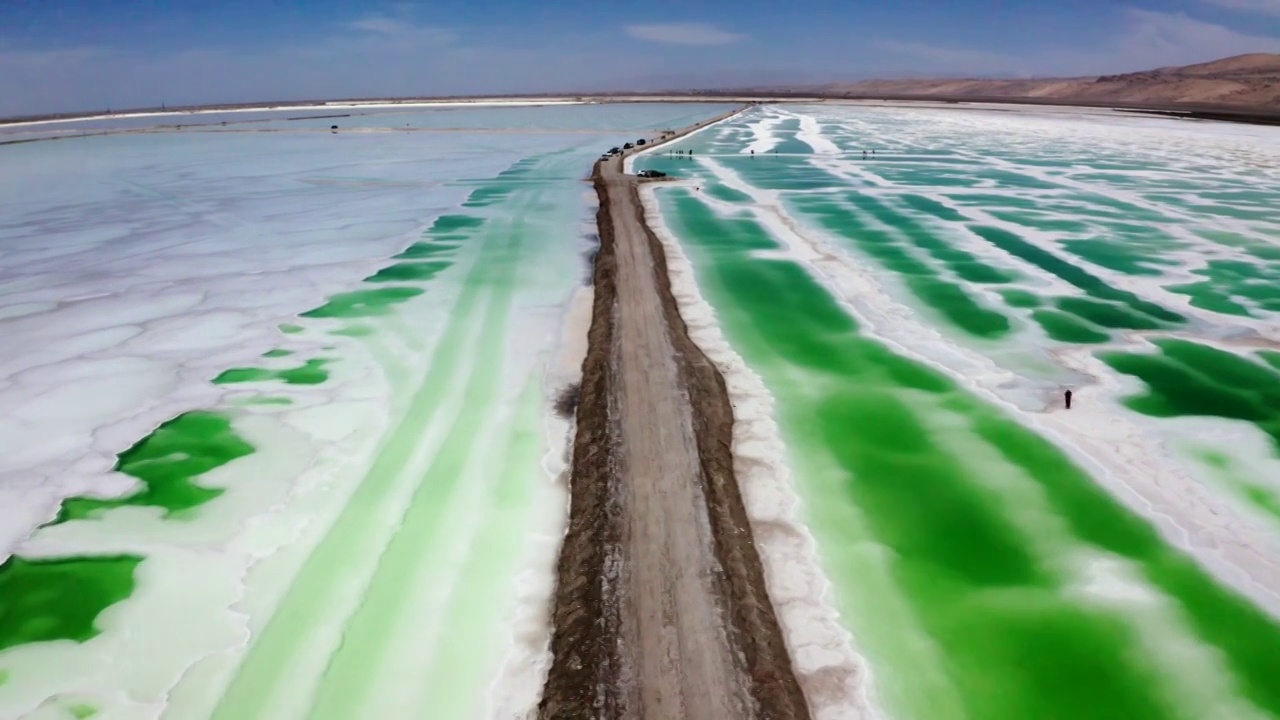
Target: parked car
[651, 174]
[640, 142]
[627, 146]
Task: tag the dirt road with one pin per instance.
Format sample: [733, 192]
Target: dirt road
[661, 610]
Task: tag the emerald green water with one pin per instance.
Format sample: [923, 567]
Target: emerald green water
[1235, 287]
[311, 372]
[1020, 298]
[261, 675]
[264, 400]
[1190, 379]
[408, 272]
[955, 537]
[965, 265]
[953, 533]
[1038, 220]
[169, 463]
[351, 677]
[1104, 301]
[423, 251]
[401, 551]
[1229, 471]
[1068, 328]
[924, 243]
[948, 298]
[60, 599]
[1119, 256]
[364, 303]
[983, 574]
[418, 565]
[455, 223]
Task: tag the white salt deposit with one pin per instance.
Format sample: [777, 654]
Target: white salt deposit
[1154, 466]
[831, 673]
[133, 282]
[811, 134]
[762, 130]
[820, 646]
[1201, 684]
[1111, 444]
[331, 105]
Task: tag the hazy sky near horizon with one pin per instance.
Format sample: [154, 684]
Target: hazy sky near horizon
[71, 55]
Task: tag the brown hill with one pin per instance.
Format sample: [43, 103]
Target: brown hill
[1251, 81]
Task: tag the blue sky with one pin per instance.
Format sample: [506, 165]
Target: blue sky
[67, 55]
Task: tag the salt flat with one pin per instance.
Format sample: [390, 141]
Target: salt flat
[910, 320]
[267, 390]
[274, 405]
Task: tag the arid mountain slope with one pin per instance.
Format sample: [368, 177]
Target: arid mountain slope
[1244, 80]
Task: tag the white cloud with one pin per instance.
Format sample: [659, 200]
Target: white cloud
[684, 34]
[1144, 40]
[381, 24]
[31, 59]
[388, 28]
[1261, 7]
[952, 61]
[394, 54]
[404, 59]
[1151, 39]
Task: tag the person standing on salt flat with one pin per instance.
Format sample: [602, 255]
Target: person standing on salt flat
[1067, 397]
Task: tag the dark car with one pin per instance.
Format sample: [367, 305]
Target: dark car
[651, 174]
[640, 142]
[627, 146]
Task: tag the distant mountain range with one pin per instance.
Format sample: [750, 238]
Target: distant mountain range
[1243, 88]
[1246, 81]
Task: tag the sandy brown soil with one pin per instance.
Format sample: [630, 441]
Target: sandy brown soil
[661, 609]
[1251, 81]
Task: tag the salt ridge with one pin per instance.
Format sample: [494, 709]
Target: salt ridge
[819, 644]
[1097, 433]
